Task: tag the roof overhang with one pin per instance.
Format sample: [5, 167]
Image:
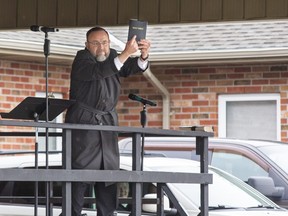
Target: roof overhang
[211, 43]
[65, 55]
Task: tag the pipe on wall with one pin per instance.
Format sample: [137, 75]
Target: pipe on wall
[165, 97]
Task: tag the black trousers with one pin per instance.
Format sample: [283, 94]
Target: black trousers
[106, 198]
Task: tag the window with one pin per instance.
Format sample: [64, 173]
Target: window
[237, 164]
[54, 143]
[250, 116]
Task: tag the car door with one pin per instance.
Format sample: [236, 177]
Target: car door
[245, 163]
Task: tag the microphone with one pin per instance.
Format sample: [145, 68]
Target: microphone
[142, 100]
[43, 29]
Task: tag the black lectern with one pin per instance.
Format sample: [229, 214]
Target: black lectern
[33, 108]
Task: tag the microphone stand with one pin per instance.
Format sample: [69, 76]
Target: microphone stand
[143, 123]
[47, 184]
[46, 49]
[36, 188]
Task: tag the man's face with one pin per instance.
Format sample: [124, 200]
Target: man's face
[99, 45]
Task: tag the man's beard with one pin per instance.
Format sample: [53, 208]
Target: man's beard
[101, 58]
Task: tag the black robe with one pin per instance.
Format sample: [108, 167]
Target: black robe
[96, 87]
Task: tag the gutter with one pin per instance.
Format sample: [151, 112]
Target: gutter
[219, 57]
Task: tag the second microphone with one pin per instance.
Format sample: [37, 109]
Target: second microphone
[140, 99]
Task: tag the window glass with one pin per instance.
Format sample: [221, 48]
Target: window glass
[250, 116]
[237, 165]
[54, 143]
[277, 154]
[125, 194]
[170, 154]
[251, 119]
[23, 192]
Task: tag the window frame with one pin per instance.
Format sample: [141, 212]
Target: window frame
[222, 104]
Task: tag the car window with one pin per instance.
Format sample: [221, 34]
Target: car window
[277, 154]
[149, 191]
[24, 191]
[237, 164]
[171, 154]
[234, 194]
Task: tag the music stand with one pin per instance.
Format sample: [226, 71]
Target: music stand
[33, 108]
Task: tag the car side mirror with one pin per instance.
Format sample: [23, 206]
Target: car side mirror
[266, 186]
[152, 208]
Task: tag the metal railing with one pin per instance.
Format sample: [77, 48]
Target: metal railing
[67, 175]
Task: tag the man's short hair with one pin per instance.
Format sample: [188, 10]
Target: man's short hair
[95, 29]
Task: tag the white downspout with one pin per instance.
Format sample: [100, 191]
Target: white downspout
[157, 84]
[165, 95]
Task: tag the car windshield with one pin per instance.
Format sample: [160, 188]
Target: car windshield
[225, 191]
[278, 154]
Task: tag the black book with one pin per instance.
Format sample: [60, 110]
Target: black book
[137, 28]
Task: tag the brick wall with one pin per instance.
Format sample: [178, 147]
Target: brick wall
[19, 80]
[193, 91]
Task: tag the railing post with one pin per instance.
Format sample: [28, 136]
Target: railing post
[136, 166]
[160, 197]
[202, 150]
[66, 165]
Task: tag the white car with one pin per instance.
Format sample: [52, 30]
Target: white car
[260, 163]
[228, 195]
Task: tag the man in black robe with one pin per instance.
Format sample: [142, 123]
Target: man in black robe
[95, 85]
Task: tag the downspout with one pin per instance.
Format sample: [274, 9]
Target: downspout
[165, 97]
[157, 84]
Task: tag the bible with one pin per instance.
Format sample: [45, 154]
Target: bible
[137, 28]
